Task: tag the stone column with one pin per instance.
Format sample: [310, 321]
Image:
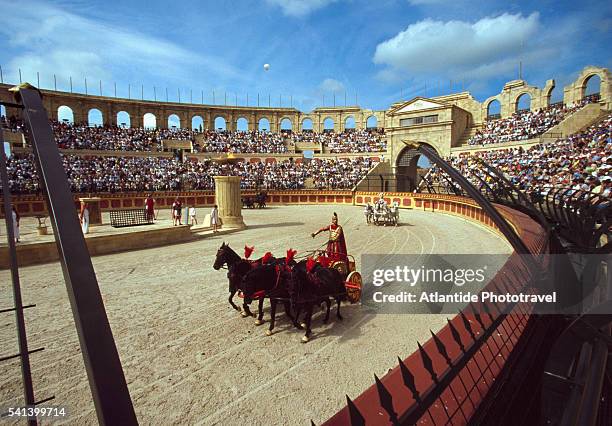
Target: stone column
[227, 198]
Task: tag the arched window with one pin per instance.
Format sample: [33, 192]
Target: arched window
[328, 124]
[307, 124]
[242, 124]
[372, 122]
[349, 123]
[592, 86]
[149, 121]
[174, 122]
[2, 111]
[220, 123]
[523, 103]
[94, 117]
[65, 114]
[197, 123]
[264, 125]
[123, 119]
[286, 124]
[493, 110]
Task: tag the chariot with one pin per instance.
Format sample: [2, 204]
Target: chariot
[385, 215]
[346, 266]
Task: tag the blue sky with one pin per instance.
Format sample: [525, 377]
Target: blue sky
[383, 51]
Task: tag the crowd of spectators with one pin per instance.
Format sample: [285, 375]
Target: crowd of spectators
[582, 161]
[524, 125]
[250, 141]
[115, 138]
[123, 174]
[349, 141]
[11, 123]
[112, 138]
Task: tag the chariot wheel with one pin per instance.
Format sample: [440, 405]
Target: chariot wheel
[340, 266]
[353, 287]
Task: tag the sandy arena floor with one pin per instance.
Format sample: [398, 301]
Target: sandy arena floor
[189, 358]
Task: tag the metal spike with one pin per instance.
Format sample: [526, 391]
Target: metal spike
[408, 379]
[467, 325]
[487, 310]
[386, 400]
[456, 335]
[427, 363]
[477, 316]
[354, 414]
[441, 348]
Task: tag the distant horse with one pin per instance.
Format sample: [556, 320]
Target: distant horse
[237, 268]
[260, 199]
[247, 202]
[309, 285]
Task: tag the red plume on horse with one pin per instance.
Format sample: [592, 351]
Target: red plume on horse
[310, 263]
[290, 255]
[267, 258]
[248, 251]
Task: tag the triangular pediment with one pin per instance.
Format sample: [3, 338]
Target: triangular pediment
[417, 104]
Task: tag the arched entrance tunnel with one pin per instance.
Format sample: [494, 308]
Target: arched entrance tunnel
[410, 167]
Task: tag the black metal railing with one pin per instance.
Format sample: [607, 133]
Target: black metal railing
[106, 379]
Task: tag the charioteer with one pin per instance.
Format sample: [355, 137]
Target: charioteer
[336, 245]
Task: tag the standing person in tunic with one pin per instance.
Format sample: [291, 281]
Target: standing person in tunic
[150, 207]
[16, 218]
[177, 206]
[214, 218]
[192, 215]
[336, 245]
[84, 216]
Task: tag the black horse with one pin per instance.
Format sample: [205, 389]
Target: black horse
[269, 281]
[260, 199]
[311, 284]
[247, 202]
[237, 268]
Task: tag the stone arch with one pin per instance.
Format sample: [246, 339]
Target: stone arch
[349, 122]
[95, 118]
[522, 102]
[406, 171]
[591, 85]
[174, 121]
[307, 124]
[149, 121]
[286, 123]
[65, 114]
[197, 123]
[123, 119]
[371, 122]
[554, 95]
[263, 124]
[493, 109]
[328, 124]
[220, 123]
[242, 124]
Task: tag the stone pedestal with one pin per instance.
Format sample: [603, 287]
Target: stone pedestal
[95, 214]
[227, 198]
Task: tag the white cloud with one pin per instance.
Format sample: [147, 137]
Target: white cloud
[300, 8]
[483, 48]
[53, 40]
[331, 85]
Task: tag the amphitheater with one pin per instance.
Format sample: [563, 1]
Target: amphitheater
[188, 357]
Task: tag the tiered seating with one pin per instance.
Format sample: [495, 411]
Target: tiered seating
[525, 124]
[583, 161]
